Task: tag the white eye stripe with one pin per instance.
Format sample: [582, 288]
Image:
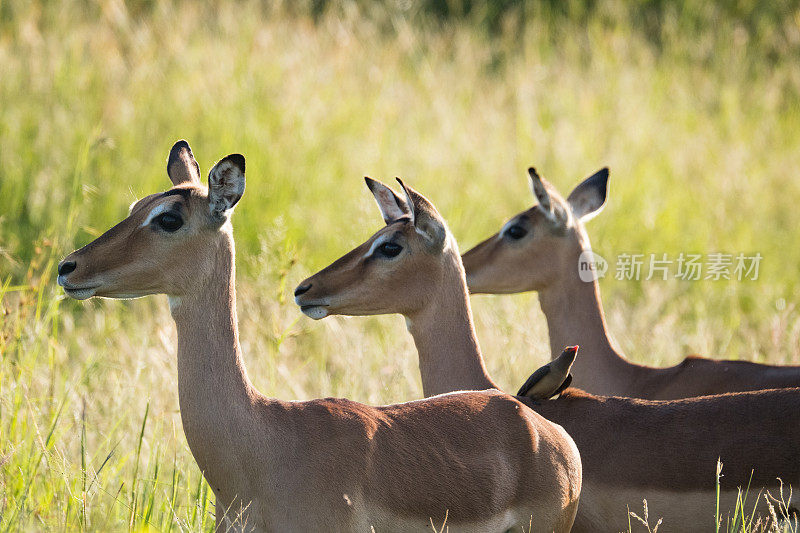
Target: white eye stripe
[505, 227]
[380, 240]
[157, 210]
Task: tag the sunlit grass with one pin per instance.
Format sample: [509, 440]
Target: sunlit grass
[701, 136]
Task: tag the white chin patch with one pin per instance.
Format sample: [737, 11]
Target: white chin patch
[316, 312]
[80, 294]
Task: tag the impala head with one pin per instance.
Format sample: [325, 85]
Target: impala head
[395, 271]
[540, 245]
[167, 244]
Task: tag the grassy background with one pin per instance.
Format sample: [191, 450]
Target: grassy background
[694, 107]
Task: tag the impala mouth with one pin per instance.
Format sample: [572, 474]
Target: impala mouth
[76, 291]
[316, 312]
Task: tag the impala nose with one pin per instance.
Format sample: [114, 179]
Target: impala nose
[66, 267]
[302, 289]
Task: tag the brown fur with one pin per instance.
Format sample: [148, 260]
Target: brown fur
[749, 431]
[330, 464]
[665, 452]
[434, 463]
[546, 261]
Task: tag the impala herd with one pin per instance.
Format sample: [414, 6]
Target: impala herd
[551, 458]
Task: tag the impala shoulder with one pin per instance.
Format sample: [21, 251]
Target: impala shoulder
[339, 411]
[468, 403]
[502, 401]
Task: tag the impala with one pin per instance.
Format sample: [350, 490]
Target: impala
[540, 249]
[479, 459]
[664, 451]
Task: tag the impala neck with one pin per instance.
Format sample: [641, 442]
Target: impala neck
[575, 316]
[449, 355]
[213, 388]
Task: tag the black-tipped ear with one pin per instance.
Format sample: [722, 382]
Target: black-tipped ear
[181, 165]
[391, 205]
[409, 200]
[589, 197]
[226, 185]
[540, 191]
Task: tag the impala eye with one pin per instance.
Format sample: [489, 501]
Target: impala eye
[390, 249]
[169, 222]
[516, 232]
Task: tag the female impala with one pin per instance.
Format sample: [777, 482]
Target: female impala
[664, 451]
[479, 458]
[539, 249]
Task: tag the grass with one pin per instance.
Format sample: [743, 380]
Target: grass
[700, 128]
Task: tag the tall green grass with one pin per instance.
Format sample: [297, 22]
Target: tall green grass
[700, 127]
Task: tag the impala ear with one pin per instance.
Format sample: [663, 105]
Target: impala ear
[542, 195]
[181, 165]
[589, 197]
[391, 205]
[409, 200]
[426, 219]
[225, 185]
